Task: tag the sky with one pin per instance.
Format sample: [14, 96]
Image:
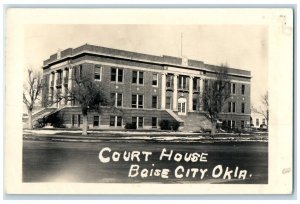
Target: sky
[239, 46]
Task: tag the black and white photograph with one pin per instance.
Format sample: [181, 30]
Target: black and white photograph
[153, 98]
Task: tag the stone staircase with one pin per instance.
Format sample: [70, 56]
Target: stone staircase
[196, 122]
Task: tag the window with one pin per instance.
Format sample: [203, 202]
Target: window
[154, 122]
[78, 120]
[116, 75]
[73, 120]
[242, 124]
[229, 107]
[138, 77]
[115, 121]
[243, 89]
[233, 107]
[196, 84]
[154, 101]
[169, 83]
[96, 121]
[168, 102]
[155, 79]
[80, 71]
[117, 99]
[233, 88]
[97, 72]
[263, 121]
[195, 104]
[233, 124]
[138, 122]
[182, 83]
[243, 108]
[137, 101]
[257, 121]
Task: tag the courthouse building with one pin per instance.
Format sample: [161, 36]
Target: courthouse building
[146, 89]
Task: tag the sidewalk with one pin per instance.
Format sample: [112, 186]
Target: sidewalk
[108, 135]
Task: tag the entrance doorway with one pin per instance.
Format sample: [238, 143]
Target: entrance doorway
[181, 106]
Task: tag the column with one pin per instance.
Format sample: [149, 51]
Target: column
[191, 94]
[201, 92]
[70, 85]
[50, 80]
[163, 91]
[63, 89]
[55, 89]
[175, 92]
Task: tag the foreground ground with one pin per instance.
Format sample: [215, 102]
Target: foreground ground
[69, 157]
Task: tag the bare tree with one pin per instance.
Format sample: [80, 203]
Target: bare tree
[90, 97]
[215, 94]
[32, 88]
[263, 109]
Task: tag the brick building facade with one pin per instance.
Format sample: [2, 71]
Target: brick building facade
[146, 88]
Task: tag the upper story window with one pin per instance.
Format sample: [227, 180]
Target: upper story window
[243, 89]
[168, 102]
[137, 101]
[97, 72]
[154, 101]
[137, 77]
[169, 82]
[78, 72]
[154, 79]
[231, 107]
[117, 99]
[233, 88]
[182, 82]
[243, 108]
[116, 74]
[196, 86]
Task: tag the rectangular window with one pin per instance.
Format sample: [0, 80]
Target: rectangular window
[263, 121]
[116, 74]
[169, 83]
[233, 107]
[154, 122]
[113, 98]
[141, 101]
[78, 120]
[242, 124]
[96, 121]
[73, 120]
[97, 72]
[195, 104]
[233, 124]
[196, 84]
[112, 121]
[113, 75]
[134, 101]
[229, 107]
[138, 77]
[119, 121]
[80, 71]
[233, 88]
[140, 122]
[257, 122]
[154, 101]
[243, 89]
[119, 99]
[154, 79]
[137, 101]
[182, 82]
[168, 102]
[243, 108]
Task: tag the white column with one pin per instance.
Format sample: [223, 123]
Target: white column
[70, 84]
[50, 80]
[63, 89]
[201, 93]
[191, 94]
[55, 89]
[163, 91]
[175, 92]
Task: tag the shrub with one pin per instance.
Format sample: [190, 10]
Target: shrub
[130, 126]
[169, 125]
